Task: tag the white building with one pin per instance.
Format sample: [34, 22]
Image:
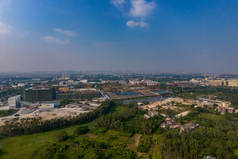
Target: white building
[20, 84]
[14, 102]
[84, 81]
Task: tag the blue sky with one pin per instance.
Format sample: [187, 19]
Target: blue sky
[119, 35]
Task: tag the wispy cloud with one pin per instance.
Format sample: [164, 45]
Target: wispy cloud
[132, 23]
[52, 39]
[142, 8]
[4, 28]
[65, 32]
[118, 3]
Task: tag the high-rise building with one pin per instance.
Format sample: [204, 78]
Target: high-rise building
[38, 94]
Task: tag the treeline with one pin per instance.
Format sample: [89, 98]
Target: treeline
[9, 112]
[34, 125]
[129, 120]
[198, 144]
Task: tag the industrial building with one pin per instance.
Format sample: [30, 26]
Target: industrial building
[222, 82]
[39, 94]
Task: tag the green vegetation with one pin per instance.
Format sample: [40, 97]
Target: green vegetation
[217, 137]
[65, 102]
[84, 148]
[22, 147]
[129, 119]
[145, 143]
[121, 131]
[81, 130]
[199, 143]
[10, 92]
[61, 136]
[9, 112]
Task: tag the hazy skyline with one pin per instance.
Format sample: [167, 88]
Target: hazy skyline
[119, 35]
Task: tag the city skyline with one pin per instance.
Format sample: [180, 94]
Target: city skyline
[119, 35]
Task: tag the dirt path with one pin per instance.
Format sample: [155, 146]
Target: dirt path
[135, 142]
[137, 139]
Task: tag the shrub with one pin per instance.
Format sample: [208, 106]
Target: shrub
[81, 130]
[61, 136]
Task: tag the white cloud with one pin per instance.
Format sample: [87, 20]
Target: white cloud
[52, 39]
[65, 32]
[4, 28]
[118, 3]
[132, 23]
[142, 8]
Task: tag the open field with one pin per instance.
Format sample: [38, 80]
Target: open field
[22, 147]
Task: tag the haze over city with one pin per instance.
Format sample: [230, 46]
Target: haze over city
[119, 35]
[118, 79]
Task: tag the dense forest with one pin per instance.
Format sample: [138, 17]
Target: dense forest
[116, 126]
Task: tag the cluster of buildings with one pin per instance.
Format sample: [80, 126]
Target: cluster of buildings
[17, 102]
[173, 104]
[169, 123]
[168, 103]
[221, 106]
[172, 124]
[224, 110]
[215, 82]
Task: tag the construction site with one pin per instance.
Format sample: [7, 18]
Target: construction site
[50, 110]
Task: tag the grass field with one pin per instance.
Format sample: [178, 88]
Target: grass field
[22, 147]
